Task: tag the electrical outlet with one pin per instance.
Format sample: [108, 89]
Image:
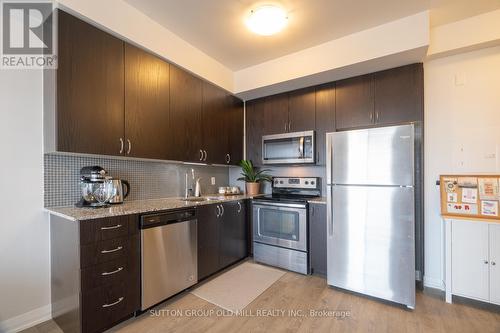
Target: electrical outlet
[212, 180]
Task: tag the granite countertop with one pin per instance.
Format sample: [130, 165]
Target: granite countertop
[136, 207]
[318, 200]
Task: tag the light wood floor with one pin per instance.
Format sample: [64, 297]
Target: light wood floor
[298, 292]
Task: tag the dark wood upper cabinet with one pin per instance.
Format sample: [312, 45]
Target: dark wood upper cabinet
[235, 122]
[254, 130]
[185, 115]
[146, 104]
[354, 102]
[275, 114]
[399, 95]
[90, 89]
[215, 131]
[301, 110]
[325, 118]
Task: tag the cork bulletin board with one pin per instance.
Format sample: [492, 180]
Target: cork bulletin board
[470, 196]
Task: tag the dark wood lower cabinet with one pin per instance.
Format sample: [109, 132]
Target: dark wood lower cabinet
[317, 239]
[95, 268]
[222, 236]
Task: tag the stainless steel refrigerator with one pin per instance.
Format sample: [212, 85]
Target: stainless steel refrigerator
[371, 212]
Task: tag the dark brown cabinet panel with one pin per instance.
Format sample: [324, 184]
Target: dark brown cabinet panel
[233, 233]
[275, 114]
[235, 122]
[317, 238]
[215, 135]
[254, 130]
[325, 119]
[90, 89]
[354, 102]
[208, 240]
[399, 95]
[185, 115]
[301, 110]
[146, 104]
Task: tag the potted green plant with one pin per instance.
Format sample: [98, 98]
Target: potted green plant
[252, 177]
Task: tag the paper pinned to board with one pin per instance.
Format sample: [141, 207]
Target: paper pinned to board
[452, 197]
[489, 208]
[450, 184]
[454, 208]
[467, 182]
[488, 188]
[469, 195]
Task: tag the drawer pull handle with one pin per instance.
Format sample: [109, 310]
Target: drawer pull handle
[114, 303]
[110, 251]
[113, 227]
[113, 272]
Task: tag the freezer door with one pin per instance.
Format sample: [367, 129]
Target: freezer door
[377, 156]
[371, 247]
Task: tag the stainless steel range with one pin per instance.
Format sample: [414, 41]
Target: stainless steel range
[280, 223]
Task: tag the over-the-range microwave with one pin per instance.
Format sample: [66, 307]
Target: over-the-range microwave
[289, 148]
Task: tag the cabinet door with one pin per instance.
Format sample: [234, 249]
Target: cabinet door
[215, 136]
[90, 88]
[276, 114]
[399, 95]
[302, 110]
[469, 253]
[146, 104]
[185, 115]
[233, 237]
[317, 238]
[208, 240]
[494, 263]
[325, 119]
[234, 127]
[354, 102]
[254, 130]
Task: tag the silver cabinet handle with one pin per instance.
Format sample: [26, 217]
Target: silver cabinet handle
[222, 207]
[376, 116]
[114, 303]
[371, 117]
[228, 158]
[205, 158]
[290, 126]
[239, 207]
[121, 146]
[218, 211]
[286, 124]
[113, 227]
[113, 272]
[129, 146]
[201, 155]
[113, 250]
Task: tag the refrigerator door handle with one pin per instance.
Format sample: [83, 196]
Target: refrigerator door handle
[329, 156]
[329, 211]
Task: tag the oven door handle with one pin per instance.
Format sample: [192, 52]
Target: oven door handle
[278, 204]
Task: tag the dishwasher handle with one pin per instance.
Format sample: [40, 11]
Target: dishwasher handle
[159, 219]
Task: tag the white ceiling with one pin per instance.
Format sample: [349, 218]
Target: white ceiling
[216, 26]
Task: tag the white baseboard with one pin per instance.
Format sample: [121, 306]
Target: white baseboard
[26, 320]
[433, 283]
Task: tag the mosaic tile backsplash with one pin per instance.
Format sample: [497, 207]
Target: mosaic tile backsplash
[148, 179]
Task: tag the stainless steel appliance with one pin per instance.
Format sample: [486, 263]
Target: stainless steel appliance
[371, 212]
[121, 190]
[95, 186]
[169, 255]
[280, 223]
[288, 148]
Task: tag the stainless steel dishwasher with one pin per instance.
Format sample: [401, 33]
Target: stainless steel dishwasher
[169, 255]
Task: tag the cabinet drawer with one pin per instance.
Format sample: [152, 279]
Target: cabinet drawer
[105, 251]
[111, 272]
[104, 229]
[105, 306]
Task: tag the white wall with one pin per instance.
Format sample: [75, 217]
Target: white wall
[24, 228]
[462, 133]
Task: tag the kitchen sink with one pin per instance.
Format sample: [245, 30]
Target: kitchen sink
[200, 199]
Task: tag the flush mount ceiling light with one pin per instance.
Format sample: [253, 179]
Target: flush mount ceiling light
[267, 20]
